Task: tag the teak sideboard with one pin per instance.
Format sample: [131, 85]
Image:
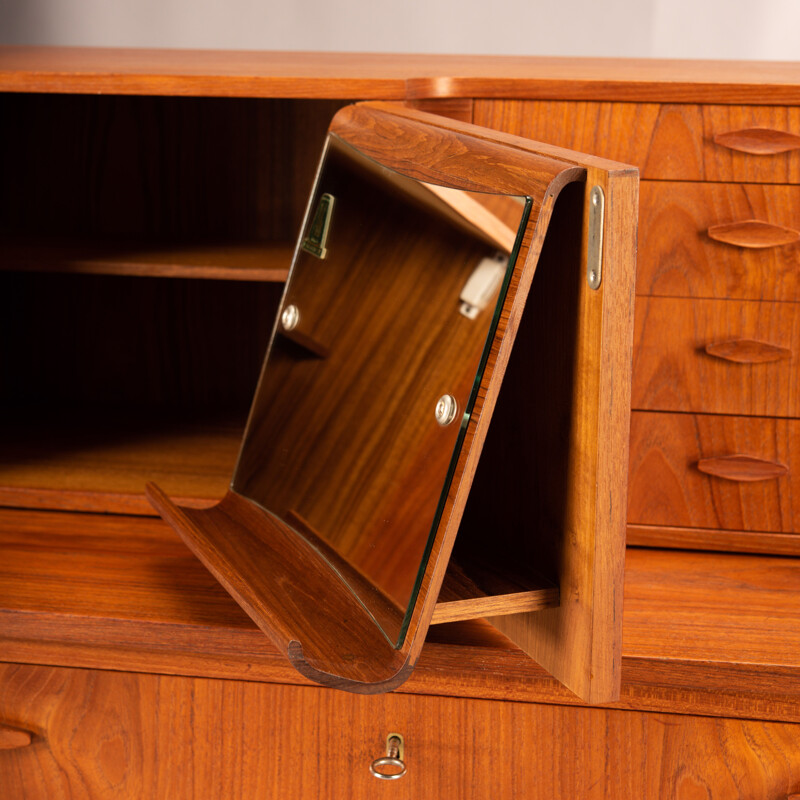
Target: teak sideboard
[149, 201]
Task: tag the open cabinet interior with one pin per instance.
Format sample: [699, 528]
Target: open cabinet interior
[141, 289]
[144, 242]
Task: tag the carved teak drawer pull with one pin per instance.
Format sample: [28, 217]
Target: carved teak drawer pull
[741, 468]
[753, 233]
[13, 738]
[759, 141]
[748, 351]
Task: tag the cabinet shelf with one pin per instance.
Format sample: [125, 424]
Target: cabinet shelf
[102, 466]
[239, 261]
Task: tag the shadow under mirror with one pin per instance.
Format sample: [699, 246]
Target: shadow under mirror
[371, 373]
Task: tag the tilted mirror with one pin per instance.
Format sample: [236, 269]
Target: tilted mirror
[445, 276]
[373, 367]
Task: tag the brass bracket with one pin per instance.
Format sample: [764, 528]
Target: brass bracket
[317, 237]
[594, 249]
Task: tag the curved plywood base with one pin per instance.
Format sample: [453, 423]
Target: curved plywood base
[292, 592]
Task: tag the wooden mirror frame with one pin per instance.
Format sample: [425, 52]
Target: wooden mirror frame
[572, 628]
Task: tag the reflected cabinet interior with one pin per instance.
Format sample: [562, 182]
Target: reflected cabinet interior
[367, 334]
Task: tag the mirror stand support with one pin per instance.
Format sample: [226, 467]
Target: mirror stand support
[533, 522]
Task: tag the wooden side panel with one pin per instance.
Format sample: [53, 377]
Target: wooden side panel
[106, 734]
[717, 356]
[668, 488]
[551, 488]
[666, 141]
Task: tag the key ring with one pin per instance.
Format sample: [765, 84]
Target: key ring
[395, 747]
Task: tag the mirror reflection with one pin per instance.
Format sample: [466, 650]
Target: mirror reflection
[368, 383]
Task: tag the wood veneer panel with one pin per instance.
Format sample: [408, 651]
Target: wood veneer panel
[158, 169]
[124, 593]
[205, 73]
[135, 735]
[678, 258]
[618, 79]
[392, 76]
[666, 142]
[676, 369]
[667, 488]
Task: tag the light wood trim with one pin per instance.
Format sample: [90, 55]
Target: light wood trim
[742, 468]
[753, 234]
[501, 604]
[478, 592]
[759, 141]
[747, 351]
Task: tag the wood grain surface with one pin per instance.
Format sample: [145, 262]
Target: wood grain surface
[742, 469]
[82, 464]
[667, 488]
[462, 598]
[103, 734]
[165, 170]
[759, 141]
[574, 353]
[747, 351]
[666, 141]
[391, 76]
[101, 401]
[703, 633]
[753, 234]
[13, 738]
[678, 258]
[716, 356]
[279, 578]
[781, 544]
[366, 468]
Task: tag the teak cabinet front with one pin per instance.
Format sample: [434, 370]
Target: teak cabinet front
[114, 734]
[110, 202]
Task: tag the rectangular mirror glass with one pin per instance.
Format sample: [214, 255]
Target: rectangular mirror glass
[373, 368]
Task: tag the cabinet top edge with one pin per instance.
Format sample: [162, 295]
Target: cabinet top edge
[391, 76]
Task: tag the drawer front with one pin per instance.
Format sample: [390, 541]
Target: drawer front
[103, 735]
[717, 356]
[706, 471]
[698, 240]
[668, 142]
